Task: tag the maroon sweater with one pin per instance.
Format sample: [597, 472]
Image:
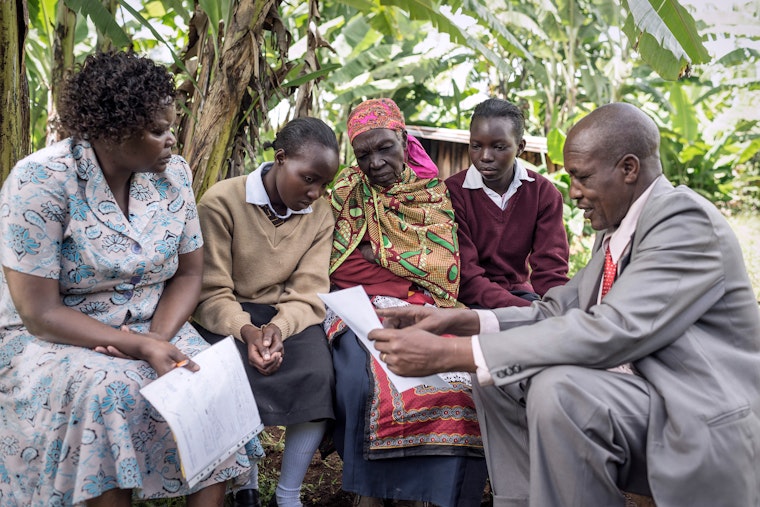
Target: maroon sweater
[523, 247]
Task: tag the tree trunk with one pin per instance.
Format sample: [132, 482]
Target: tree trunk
[217, 121]
[14, 92]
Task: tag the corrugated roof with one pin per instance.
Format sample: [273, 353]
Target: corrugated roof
[533, 144]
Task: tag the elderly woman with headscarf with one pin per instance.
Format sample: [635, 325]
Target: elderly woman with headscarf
[395, 235]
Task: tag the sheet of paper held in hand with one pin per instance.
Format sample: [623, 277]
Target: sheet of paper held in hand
[354, 307]
[212, 412]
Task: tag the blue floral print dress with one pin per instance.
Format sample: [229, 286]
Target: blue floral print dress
[72, 421]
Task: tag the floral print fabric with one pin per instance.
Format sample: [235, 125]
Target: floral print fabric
[72, 421]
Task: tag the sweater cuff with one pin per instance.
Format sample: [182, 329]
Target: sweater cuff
[284, 326]
[237, 323]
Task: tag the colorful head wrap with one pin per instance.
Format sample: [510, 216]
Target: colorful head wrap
[374, 114]
[383, 113]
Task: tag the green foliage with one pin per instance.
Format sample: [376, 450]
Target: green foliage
[666, 36]
[104, 21]
[555, 143]
[580, 235]
[719, 165]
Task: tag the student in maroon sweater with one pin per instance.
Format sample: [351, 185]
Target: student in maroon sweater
[512, 240]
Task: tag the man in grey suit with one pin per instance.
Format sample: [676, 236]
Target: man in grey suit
[650, 384]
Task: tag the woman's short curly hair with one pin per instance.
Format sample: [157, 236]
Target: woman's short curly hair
[114, 95]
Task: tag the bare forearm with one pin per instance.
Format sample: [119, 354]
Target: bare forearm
[460, 322]
[176, 305]
[180, 296]
[70, 327]
[460, 354]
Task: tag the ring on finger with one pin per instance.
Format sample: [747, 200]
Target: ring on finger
[383, 356]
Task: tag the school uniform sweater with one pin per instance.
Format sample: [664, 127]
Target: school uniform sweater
[249, 260]
[523, 247]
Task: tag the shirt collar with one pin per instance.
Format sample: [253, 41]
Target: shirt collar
[474, 180]
[620, 237]
[256, 194]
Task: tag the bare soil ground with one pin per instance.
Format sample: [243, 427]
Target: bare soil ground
[321, 486]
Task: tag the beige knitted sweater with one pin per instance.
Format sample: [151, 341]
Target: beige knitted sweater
[248, 259]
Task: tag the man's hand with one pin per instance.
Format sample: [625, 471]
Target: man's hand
[414, 352]
[459, 322]
[265, 349]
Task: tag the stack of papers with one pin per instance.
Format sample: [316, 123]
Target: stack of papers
[212, 412]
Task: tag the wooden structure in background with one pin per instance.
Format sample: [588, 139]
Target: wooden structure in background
[448, 148]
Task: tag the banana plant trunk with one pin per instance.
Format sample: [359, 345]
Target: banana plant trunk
[219, 109]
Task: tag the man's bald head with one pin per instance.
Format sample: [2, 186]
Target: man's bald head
[618, 129]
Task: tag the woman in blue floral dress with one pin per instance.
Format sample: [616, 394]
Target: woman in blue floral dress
[102, 259]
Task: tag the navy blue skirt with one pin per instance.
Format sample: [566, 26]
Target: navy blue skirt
[301, 390]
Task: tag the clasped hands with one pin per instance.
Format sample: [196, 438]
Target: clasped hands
[265, 347]
[411, 345]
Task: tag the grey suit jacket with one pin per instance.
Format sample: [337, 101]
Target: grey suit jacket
[683, 311]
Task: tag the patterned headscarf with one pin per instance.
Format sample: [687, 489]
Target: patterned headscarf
[383, 113]
[374, 114]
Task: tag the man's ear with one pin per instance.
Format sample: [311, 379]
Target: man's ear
[630, 166]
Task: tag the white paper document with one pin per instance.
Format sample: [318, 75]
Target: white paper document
[212, 412]
[354, 307]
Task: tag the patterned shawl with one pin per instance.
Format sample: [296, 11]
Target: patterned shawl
[410, 225]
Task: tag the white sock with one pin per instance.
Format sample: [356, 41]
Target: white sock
[288, 497]
[301, 442]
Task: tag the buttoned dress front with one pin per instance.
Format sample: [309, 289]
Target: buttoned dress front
[73, 422]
